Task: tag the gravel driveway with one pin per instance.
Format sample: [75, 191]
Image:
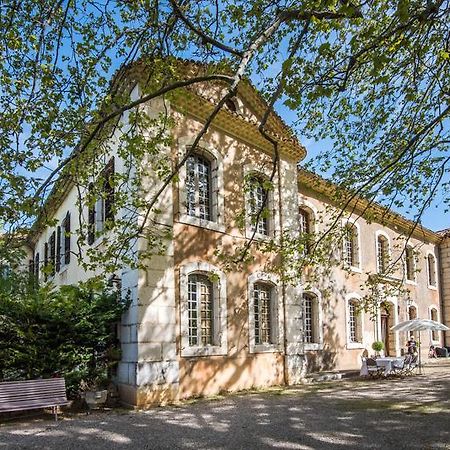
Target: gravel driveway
[413, 413]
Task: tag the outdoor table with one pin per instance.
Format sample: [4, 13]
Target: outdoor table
[387, 363]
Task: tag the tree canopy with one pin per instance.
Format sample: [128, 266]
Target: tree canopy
[370, 76]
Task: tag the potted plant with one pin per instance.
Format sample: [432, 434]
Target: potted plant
[377, 347]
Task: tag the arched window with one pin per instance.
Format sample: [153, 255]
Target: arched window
[311, 319]
[258, 205]
[412, 313]
[351, 245]
[198, 187]
[355, 335]
[306, 225]
[431, 269]
[264, 327]
[203, 310]
[382, 253]
[410, 265]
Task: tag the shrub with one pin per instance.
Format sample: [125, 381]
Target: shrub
[67, 332]
[378, 346]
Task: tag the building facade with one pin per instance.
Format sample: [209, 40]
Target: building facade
[194, 328]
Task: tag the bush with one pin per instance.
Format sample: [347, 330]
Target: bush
[378, 346]
[67, 332]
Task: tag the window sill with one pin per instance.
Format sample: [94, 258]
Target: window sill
[257, 236]
[411, 282]
[313, 347]
[353, 268]
[354, 345]
[432, 287]
[265, 348]
[211, 350]
[202, 223]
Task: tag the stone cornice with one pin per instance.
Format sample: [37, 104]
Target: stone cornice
[365, 208]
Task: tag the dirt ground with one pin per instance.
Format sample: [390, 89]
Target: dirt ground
[410, 413]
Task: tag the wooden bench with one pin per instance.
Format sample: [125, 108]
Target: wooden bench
[33, 394]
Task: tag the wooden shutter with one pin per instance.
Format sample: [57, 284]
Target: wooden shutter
[45, 261]
[36, 266]
[108, 190]
[58, 249]
[53, 253]
[67, 238]
[91, 215]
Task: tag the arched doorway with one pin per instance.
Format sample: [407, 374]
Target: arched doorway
[387, 335]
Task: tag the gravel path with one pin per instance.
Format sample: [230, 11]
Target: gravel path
[413, 413]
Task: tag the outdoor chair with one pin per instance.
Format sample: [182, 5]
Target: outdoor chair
[411, 365]
[373, 369]
[399, 368]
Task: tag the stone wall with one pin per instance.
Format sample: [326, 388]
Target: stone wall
[445, 284]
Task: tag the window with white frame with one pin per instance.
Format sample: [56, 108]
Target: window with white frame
[311, 318]
[382, 253]
[201, 196]
[410, 265]
[306, 226]
[434, 316]
[258, 205]
[203, 310]
[264, 314]
[431, 269]
[354, 322]
[198, 187]
[351, 245]
[262, 302]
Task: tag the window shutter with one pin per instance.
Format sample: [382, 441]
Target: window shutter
[45, 261]
[58, 249]
[108, 190]
[36, 266]
[67, 238]
[53, 253]
[91, 215]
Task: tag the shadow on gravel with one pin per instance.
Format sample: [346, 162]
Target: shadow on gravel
[410, 413]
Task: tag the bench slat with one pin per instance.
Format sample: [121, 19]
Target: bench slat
[32, 394]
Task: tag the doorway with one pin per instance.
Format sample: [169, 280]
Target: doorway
[387, 336]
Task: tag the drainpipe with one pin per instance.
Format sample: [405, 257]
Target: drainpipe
[441, 293]
[283, 286]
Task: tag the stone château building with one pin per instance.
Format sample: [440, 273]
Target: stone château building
[194, 328]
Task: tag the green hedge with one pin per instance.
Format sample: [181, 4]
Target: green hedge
[68, 332]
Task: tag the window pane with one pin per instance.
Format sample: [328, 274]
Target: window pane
[382, 253]
[353, 318]
[309, 318]
[258, 202]
[349, 246]
[198, 187]
[409, 264]
[262, 312]
[200, 310]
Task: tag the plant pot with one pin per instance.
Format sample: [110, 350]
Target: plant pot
[95, 399]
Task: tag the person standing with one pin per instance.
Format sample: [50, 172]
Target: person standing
[411, 345]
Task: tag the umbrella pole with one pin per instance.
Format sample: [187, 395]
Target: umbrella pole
[420, 358]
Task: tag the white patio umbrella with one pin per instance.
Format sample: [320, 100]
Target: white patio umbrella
[420, 325]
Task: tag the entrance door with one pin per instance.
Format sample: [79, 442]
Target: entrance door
[385, 331]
